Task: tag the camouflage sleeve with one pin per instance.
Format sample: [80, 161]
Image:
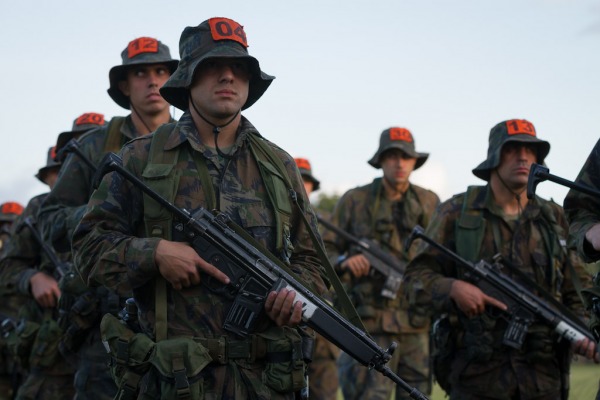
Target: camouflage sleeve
[341, 216]
[430, 274]
[107, 247]
[304, 260]
[582, 210]
[64, 206]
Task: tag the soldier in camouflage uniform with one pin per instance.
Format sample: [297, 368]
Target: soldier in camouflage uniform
[134, 85]
[28, 277]
[529, 235]
[9, 211]
[384, 211]
[214, 156]
[322, 371]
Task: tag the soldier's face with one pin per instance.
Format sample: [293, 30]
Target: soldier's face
[142, 86]
[397, 167]
[308, 185]
[220, 87]
[515, 161]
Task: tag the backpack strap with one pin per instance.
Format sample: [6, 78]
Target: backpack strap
[114, 137]
[470, 228]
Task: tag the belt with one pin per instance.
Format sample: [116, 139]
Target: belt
[223, 349]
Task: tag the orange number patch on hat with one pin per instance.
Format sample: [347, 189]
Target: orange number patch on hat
[53, 152]
[142, 45]
[227, 29]
[11, 208]
[400, 134]
[302, 163]
[520, 127]
[90, 118]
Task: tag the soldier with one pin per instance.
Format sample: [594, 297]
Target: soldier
[9, 211]
[134, 85]
[212, 158]
[385, 211]
[529, 236]
[31, 280]
[322, 371]
[583, 214]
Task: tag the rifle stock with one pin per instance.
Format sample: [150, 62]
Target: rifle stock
[538, 173]
[254, 272]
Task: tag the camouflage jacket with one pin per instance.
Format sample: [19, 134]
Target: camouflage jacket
[583, 210]
[524, 242]
[365, 213]
[63, 207]
[110, 244]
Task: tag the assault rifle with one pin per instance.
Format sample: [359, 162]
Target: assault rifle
[384, 263]
[60, 268]
[538, 173]
[523, 307]
[254, 274]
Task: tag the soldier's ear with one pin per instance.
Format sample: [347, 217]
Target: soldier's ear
[124, 87]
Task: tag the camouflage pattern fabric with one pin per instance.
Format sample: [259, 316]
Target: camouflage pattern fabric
[366, 213]
[482, 367]
[110, 247]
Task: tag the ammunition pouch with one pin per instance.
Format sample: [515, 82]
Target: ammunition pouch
[82, 316]
[540, 344]
[478, 339]
[44, 350]
[20, 341]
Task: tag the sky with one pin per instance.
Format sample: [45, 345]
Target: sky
[345, 71]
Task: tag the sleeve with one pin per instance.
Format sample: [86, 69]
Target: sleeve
[107, 249]
[583, 210]
[337, 247]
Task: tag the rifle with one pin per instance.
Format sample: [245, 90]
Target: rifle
[391, 268]
[72, 146]
[60, 267]
[254, 273]
[538, 173]
[523, 306]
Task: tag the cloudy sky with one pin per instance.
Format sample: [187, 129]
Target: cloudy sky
[346, 70]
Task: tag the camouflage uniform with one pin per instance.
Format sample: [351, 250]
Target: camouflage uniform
[111, 244]
[365, 212]
[9, 211]
[481, 367]
[63, 208]
[53, 377]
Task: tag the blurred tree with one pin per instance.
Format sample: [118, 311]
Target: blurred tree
[326, 202]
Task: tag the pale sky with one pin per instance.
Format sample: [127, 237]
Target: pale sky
[446, 70]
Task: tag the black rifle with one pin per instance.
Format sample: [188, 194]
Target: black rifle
[72, 146]
[538, 173]
[254, 274]
[60, 268]
[523, 306]
[387, 265]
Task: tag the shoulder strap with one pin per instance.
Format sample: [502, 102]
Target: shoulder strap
[160, 175]
[470, 228]
[114, 138]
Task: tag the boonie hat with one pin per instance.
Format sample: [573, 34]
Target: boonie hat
[306, 172]
[143, 50]
[50, 163]
[513, 130]
[398, 138]
[82, 124]
[9, 211]
[213, 38]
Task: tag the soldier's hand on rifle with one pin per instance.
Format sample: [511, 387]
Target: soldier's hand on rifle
[471, 300]
[180, 265]
[280, 307]
[593, 236]
[44, 289]
[588, 349]
[357, 264]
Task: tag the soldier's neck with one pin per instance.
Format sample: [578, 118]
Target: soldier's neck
[227, 133]
[394, 192]
[511, 201]
[149, 123]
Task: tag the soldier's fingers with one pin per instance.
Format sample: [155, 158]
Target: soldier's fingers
[296, 314]
[494, 302]
[212, 271]
[269, 302]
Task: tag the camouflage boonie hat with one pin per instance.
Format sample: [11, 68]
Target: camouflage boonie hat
[50, 164]
[9, 211]
[398, 138]
[306, 172]
[513, 130]
[143, 50]
[213, 38]
[82, 124]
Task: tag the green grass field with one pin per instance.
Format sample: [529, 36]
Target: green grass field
[584, 383]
